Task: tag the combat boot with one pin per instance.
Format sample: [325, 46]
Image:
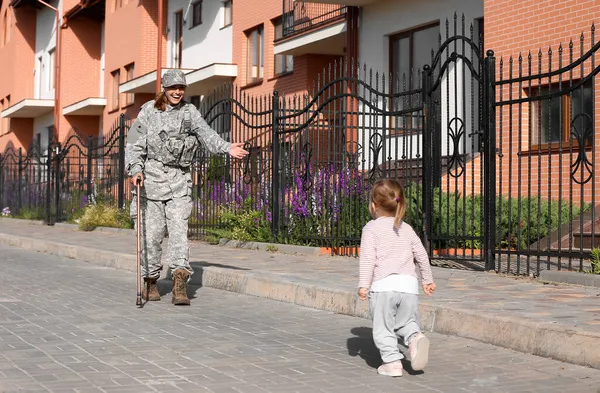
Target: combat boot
[150, 292]
[180, 278]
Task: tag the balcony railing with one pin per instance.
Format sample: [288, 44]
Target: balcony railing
[299, 16]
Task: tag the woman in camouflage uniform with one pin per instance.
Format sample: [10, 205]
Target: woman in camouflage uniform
[161, 145]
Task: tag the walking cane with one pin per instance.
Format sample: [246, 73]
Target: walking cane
[139, 247]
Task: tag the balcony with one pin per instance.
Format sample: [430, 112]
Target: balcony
[309, 28]
[300, 17]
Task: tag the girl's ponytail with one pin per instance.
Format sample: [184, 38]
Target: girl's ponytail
[400, 208]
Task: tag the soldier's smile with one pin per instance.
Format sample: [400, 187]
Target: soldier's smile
[175, 94]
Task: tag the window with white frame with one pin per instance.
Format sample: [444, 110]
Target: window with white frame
[129, 75]
[227, 13]
[283, 63]
[116, 79]
[255, 46]
[178, 41]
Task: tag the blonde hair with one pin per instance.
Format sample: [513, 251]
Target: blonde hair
[160, 102]
[388, 195]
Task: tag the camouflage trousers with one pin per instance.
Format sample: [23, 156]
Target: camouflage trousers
[158, 219]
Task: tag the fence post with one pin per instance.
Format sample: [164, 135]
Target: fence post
[489, 169]
[48, 184]
[19, 179]
[90, 146]
[426, 164]
[57, 160]
[121, 184]
[275, 168]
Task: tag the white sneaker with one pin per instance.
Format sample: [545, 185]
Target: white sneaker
[393, 369]
[419, 352]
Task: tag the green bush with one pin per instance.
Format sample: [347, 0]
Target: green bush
[595, 260]
[100, 215]
[245, 224]
[454, 217]
[31, 213]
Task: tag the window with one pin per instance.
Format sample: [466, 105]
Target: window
[51, 72]
[409, 52]
[178, 39]
[557, 119]
[283, 63]
[227, 13]
[116, 79]
[255, 47]
[129, 74]
[196, 14]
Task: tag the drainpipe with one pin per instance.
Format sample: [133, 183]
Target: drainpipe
[56, 69]
[159, 46]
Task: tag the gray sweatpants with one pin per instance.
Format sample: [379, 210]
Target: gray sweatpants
[157, 218]
[395, 315]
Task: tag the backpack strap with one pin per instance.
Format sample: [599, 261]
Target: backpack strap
[187, 120]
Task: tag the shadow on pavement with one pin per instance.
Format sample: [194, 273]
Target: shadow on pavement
[362, 344]
[200, 264]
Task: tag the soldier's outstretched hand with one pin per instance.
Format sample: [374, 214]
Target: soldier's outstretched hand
[237, 150]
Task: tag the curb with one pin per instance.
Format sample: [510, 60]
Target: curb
[573, 278]
[275, 247]
[568, 345]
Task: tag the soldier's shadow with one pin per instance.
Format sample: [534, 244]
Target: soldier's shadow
[165, 285]
[361, 344]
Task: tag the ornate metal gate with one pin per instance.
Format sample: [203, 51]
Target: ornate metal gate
[454, 136]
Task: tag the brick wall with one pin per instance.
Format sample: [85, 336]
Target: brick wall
[80, 73]
[514, 27]
[130, 37]
[16, 70]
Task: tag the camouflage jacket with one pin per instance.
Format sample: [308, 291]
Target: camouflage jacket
[145, 148]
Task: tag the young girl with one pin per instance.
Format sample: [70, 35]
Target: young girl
[389, 248]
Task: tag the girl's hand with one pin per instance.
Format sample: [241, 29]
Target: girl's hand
[429, 289]
[237, 150]
[362, 293]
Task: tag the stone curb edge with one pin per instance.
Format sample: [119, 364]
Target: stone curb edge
[573, 278]
[577, 347]
[553, 277]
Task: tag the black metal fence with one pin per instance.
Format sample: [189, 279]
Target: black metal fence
[54, 184]
[546, 133]
[497, 158]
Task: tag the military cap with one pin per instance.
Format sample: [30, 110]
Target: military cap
[173, 78]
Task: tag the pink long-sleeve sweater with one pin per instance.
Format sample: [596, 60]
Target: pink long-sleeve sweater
[385, 250]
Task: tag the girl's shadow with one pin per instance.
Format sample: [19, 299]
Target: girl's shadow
[362, 344]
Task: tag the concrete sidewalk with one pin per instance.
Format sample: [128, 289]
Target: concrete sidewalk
[557, 321]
